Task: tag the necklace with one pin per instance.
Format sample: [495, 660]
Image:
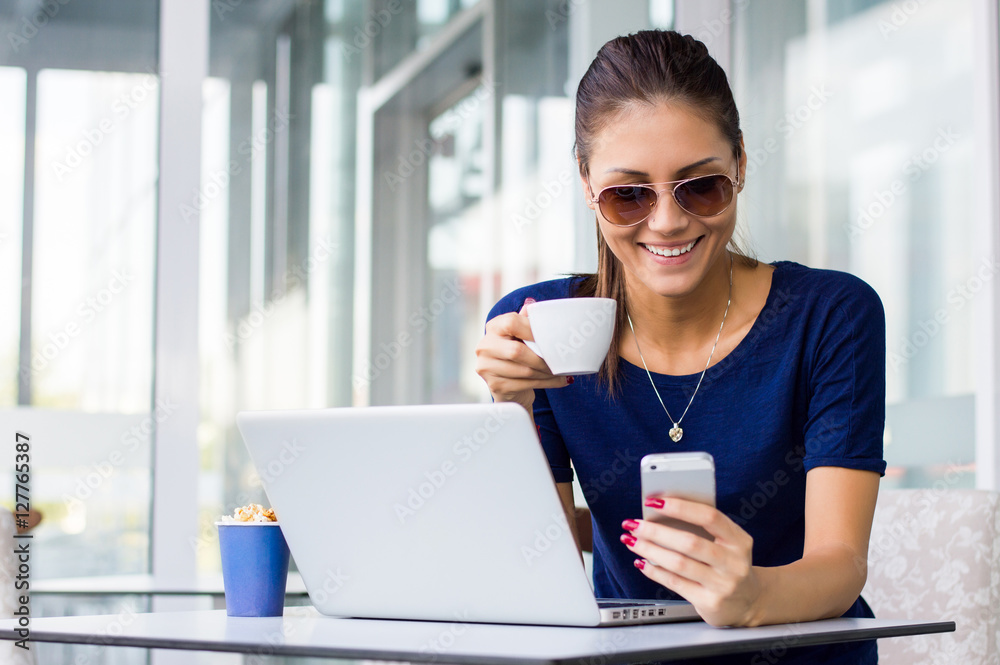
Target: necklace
[676, 432]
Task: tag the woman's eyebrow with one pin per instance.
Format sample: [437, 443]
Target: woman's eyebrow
[689, 167]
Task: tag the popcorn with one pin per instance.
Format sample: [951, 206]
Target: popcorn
[253, 512]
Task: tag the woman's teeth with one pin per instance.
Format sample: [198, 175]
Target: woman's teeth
[677, 251]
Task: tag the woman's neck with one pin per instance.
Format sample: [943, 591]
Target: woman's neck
[670, 327]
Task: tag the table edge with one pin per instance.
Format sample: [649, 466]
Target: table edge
[615, 658]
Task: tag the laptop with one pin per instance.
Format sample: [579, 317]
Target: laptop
[441, 513]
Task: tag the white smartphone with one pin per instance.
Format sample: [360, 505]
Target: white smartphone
[684, 475]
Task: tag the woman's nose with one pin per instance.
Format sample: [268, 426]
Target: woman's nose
[667, 217]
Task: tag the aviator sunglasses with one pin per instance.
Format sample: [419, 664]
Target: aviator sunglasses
[702, 196]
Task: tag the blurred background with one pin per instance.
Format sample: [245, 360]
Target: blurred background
[207, 207]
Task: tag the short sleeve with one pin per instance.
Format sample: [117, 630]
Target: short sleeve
[548, 430]
[845, 421]
[552, 441]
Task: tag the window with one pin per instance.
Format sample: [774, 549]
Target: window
[861, 136]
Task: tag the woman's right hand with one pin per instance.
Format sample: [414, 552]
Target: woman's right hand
[512, 370]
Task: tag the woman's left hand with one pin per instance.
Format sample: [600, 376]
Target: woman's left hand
[717, 577]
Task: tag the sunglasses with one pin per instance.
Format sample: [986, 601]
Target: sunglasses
[703, 196]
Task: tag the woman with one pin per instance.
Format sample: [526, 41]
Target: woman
[776, 370]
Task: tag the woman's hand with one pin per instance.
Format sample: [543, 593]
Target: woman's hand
[512, 370]
[718, 578]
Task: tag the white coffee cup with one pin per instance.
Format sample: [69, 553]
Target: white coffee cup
[572, 335]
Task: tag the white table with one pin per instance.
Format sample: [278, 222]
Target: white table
[304, 632]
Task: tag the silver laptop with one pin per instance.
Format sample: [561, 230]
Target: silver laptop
[443, 513]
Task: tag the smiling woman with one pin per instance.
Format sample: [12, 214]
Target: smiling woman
[776, 370]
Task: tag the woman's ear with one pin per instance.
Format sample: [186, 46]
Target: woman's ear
[741, 167]
[587, 195]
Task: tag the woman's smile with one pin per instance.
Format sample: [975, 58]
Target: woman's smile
[671, 253]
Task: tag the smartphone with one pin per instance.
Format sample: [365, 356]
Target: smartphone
[685, 475]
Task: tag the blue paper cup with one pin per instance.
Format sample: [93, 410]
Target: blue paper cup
[254, 568]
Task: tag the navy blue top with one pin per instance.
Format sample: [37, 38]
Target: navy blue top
[804, 388]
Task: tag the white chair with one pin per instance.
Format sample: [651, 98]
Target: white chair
[935, 554]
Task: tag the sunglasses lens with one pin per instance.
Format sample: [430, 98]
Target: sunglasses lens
[627, 205]
[706, 196]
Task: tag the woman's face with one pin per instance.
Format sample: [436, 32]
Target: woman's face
[660, 144]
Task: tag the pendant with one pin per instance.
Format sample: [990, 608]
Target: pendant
[676, 433]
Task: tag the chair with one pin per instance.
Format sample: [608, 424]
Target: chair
[935, 554]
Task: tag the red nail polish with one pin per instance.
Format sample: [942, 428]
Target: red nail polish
[628, 539]
[630, 525]
[640, 564]
[569, 380]
[654, 503]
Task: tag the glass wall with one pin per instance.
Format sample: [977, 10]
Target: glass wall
[13, 87]
[859, 131]
[484, 208]
[276, 206]
[79, 125]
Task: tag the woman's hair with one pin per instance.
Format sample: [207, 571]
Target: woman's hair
[646, 68]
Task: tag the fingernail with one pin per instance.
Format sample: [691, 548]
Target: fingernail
[528, 301]
[639, 563]
[630, 525]
[654, 503]
[628, 539]
[569, 380]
